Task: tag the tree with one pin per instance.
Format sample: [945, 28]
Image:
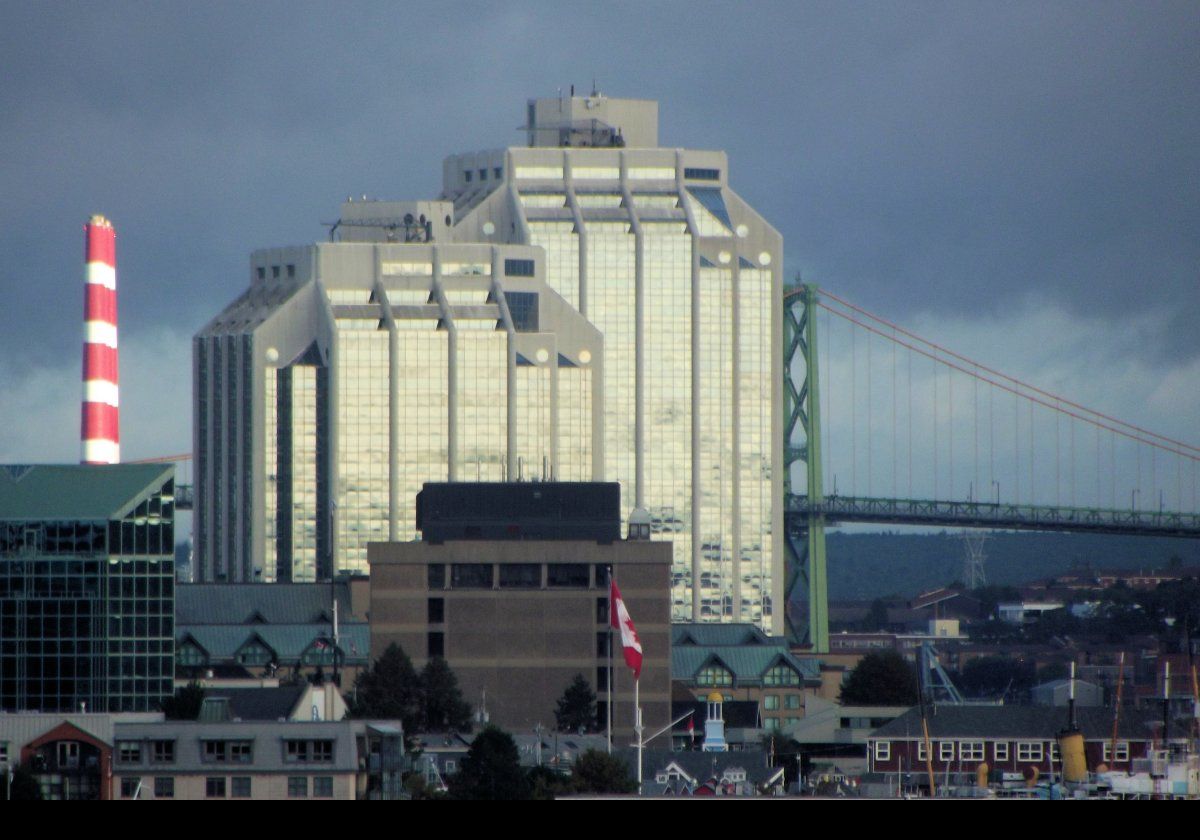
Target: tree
[877, 617]
[881, 679]
[389, 689]
[443, 708]
[576, 710]
[993, 676]
[23, 786]
[599, 772]
[491, 769]
[185, 704]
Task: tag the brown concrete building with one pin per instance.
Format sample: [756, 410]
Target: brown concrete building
[518, 619]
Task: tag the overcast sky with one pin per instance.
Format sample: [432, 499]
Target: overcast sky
[1021, 180]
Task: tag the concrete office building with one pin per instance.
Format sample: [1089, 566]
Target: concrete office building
[87, 587]
[661, 288]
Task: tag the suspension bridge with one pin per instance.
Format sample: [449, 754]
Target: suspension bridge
[912, 433]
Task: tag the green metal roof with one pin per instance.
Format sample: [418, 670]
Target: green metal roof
[748, 664]
[64, 492]
[708, 634]
[261, 603]
[288, 641]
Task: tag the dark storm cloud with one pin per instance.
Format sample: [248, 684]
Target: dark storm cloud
[957, 158]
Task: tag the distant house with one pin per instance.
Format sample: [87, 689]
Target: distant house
[1010, 739]
[252, 630]
[745, 665]
[708, 774]
[1058, 693]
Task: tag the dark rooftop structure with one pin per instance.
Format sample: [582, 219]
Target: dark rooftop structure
[550, 510]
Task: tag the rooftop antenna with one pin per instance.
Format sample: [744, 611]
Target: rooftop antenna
[595, 92]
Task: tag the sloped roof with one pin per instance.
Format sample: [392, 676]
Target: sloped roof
[77, 491]
[1017, 722]
[269, 603]
[699, 634]
[703, 766]
[289, 641]
[748, 663]
[259, 703]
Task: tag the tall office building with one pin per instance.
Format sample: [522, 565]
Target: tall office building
[87, 587]
[673, 280]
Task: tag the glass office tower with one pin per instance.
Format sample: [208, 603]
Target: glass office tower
[352, 372]
[682, 278]
[588, 306]
[87, 587]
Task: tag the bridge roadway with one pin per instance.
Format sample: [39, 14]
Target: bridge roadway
[1000, 516]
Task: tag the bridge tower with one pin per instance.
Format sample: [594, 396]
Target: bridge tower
[805, 537]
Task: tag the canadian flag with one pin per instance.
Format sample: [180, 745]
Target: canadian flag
[619, 618]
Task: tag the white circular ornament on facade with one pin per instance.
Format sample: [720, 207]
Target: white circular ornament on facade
[724, 257]
[764, 258]
[488, 228]
[743, 231]
[585, 356]
[272, 355]
[543, 354]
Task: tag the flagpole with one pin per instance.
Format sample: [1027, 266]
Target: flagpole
[637, 710]
[609, 704]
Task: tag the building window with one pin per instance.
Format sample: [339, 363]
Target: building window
[214, 787]
[1054, 751]
[520, 576]
[323, 785]
[164, 787]
[945, 751]
[129, 752]
[163, 752]
[792, 701]
[922, 751]
[971, 751]
[781, 675]
[602, 611]
[602, 679]
[467, 176]
[240, 787]
[883, 750]
[262, 273]
[129, 786]
[297, 787]
[1000, 750]
[523, 308]
[602, 647]
[437, 610]
[291, 270]
[236, 752]
[1122, 753]
[435, 645]
[771, 702]
[702, 174]
[714, 675]
[567, 576]
[320, 750]
[471, 576]
[518, 268]
[437, 576]
[1029, 751]
[497, 173]
[482, 177]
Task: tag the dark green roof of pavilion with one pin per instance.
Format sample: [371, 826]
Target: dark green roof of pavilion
[64, 492]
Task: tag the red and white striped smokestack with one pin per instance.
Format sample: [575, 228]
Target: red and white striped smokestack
[100, 431]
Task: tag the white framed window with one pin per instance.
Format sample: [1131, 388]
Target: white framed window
[945, 750]
[1029, 751]
[971, 750]
[1122, 753]
[1000, 751]
[883, 750]
[1054, 754]
[922, 753]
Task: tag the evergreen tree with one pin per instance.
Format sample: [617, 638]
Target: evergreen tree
[881, 679]
[443, 708]
[491, 769]
[389, 689]
[23, 786]
[576, 710]
[599, 772]
[185, 704]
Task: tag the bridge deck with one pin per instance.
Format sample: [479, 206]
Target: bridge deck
[1000, 516]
